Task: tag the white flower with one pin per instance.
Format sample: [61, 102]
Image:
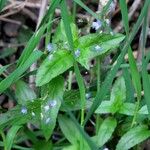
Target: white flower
[53, 103]
[47, 120]
[77, 53]
[96, 24]
[24, 110]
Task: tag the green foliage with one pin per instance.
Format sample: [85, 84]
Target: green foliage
[65, 109]
[51, 105]
[105, 131]
[54, 65]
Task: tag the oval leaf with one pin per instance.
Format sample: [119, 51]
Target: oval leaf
[53, 65]
[133, 137]
[105, 131]
[51, 105]
[24, 93]
[94, 45]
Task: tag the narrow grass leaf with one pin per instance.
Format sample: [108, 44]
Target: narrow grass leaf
[10, 137]
[50, 11]
[79, 78]
[71, 132]
[14, 76]
[134, 70]
[79, 2]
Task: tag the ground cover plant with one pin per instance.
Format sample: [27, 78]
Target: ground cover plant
[69, 78]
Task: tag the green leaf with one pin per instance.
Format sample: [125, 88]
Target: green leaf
[24, 93]
[72, 101]
[51, 105]
[118, 96]
[3, 68]
[44, 145]
[10, 137]
[79, 2]
[105, 108]
[124, 12]
[2, 4]
[133, 137]
[118, 92]
[16, 117]
[71, 147]
[31, 45]
[60, 34]
[49, 69]
[71, 132]
[127, 109]
[87, 45]
[129, 85]
[103, 39]
[14, 76]
[105, 131]
[133, 67]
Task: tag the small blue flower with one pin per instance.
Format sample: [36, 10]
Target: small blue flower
[24, 110]
[50, 47]
[53, 103]
[77, 53]
[96, 24]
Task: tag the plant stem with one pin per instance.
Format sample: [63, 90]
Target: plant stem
[98, 88]
[136, 112]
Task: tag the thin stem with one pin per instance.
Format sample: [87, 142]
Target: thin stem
[136, 112]
[98, 88]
